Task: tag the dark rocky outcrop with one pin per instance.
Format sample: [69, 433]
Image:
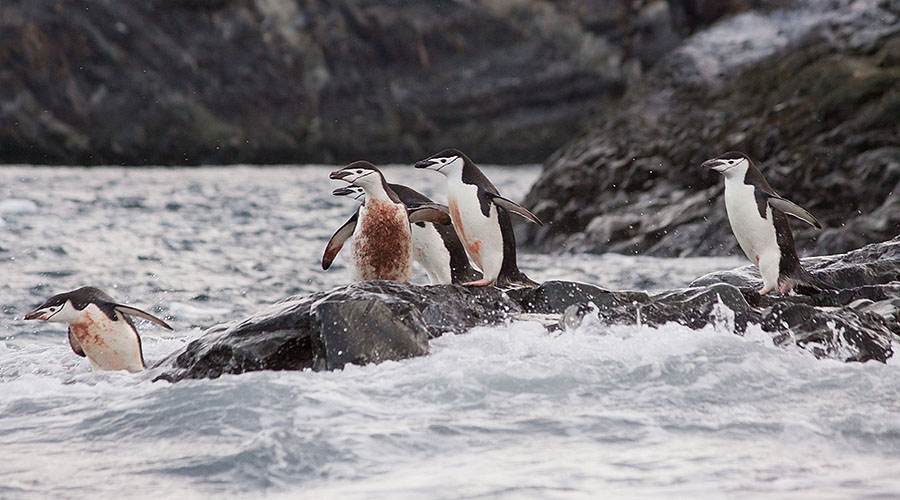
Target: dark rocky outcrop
[376, 321]
[361, 323]
[267, 81]
[812, 92]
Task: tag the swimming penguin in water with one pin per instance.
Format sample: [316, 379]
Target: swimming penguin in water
[758, 219]
[99, 327]
[381, 245]
[435, 246]
[481, 218]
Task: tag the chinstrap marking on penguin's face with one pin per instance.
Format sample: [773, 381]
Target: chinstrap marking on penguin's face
[359, 173]
[352, 191]
[443, 162]
[352, 176]
[437, 164]
[43, 314]
[724, 166]
[54, 310]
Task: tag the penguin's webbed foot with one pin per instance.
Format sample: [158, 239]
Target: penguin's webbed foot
[481, 282]
[785, 288]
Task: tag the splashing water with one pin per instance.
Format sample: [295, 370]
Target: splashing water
[509, 411]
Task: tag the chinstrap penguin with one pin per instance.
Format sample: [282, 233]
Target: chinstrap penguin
[435, 246]
[99, 327]
[481, 218]
[381, 243]
[758, 218]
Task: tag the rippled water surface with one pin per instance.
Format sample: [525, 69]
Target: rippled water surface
[501, 412]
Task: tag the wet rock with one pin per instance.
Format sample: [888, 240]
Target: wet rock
[876, 264]
[360, 323]
[376, 321]
[810, 91]
[393, 330]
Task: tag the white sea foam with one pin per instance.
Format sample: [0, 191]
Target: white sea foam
[14, 206]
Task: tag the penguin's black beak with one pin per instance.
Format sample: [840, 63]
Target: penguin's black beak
[344, 191]
[712, 164]
[424, 163]
[37, 314]
[339, 174]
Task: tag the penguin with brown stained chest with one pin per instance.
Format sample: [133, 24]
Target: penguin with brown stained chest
[435, 246]
[99, 327]
[381, 241]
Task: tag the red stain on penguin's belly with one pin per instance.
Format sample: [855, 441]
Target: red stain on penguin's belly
[383, 249]
[91, 335]
[456, 219]
[473, 246]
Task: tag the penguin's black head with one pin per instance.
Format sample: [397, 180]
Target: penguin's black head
[445, 161]
[357, 173]
[365, 175]
[65, 306]
[727, 162]
[354, 192]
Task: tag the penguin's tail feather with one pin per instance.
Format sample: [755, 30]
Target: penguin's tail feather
[807, 283]
[515, 278]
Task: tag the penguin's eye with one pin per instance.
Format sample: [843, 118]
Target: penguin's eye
[359, 171]
[52, 309]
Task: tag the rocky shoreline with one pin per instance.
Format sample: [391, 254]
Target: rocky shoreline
[375, 321]
[810, 92]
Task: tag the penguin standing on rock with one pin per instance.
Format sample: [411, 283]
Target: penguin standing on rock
[99, 328]
[481, 218]
[435, 246]
[381, 247]
[758, 219]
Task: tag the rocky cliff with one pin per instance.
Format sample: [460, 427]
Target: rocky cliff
[810, 91]
[297, 81]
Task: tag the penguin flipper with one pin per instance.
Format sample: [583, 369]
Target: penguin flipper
[75, 345]
[337, 240]
[794, 210]
[133, 311]
[515, 208]
[429, 212]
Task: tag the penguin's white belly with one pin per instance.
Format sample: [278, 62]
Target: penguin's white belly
[479, 234]
[430, 252]
[109, 345]
[381, 246]
[754, 234]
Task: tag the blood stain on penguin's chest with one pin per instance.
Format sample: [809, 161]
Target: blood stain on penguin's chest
[473, 246]
[383, 244]
[89, 332]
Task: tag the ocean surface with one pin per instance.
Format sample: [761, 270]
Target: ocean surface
[501, 412]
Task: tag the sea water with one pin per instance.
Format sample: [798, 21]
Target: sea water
[510, 411]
